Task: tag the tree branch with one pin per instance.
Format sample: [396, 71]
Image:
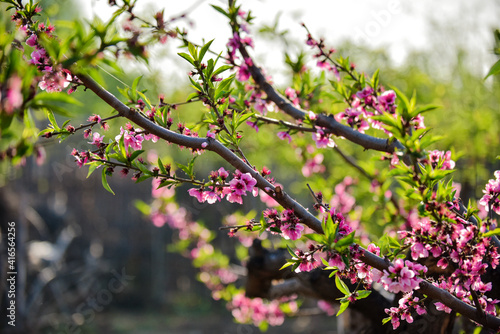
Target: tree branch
[282, 198]
[328, 122]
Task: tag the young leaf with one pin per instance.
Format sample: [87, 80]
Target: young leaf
[161, 166]
[135, 154]
[187, 57]
[105, 181]
[492, 232]
[495, 69]
[220, 10]
[343, 307]
[204, 50]
[144, 208]
[92, 167]
[362, 294]
[342, 286]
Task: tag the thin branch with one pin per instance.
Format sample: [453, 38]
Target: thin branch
[328, 122]
[284, 123]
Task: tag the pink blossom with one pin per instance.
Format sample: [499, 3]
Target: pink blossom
[55, 81]
[97, 139]
[234, 198]
[387, 100]
[38, 56]
[285, 135]
[14, 97]
[439, 157]
[418, 250]
[327, 307]
[292, 95]
[313, 165]
[158, 219]
[223, 173]
[198, 193]
[442, 307]
[148, 136]
[243, 73]
[234, 43]
[253, 125]
[31, 41]
[292, 231]
[336, 261]
[130, 139]
[238, 187]
[491, 194]
[374, 249]
[249, 181]
[40, 155]
[164, 192]
[212, 197]
[312, 116]
[322, 140]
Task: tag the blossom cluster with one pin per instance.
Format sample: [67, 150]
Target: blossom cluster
[236, 188]
[440, 159]
[287, 223]
[404, 310]
[491, 193]
[55, 78]
[456, 245]
[403, 276]
[246, 309]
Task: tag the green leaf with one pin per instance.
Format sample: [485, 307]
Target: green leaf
[220, 10]
[52, 120]
[292, 253]
[342, 286]
[162, 167]
[135, 84]
[402, 98]
[193, 51]
[92, 167]
[145, 99]
[105, 181]
[204, 50]
[495, 69]
[167, 183]
[221, 69]
[315, 237]
[288, 264]
[492, 232]
[187, 57]
[375, 79]
[144, 208]
[362, 294]
[386, 320]
[343, 307]
[135, 154]
[189, 168]
[345, 241]
[192, 96]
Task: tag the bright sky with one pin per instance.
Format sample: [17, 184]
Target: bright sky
[397, 25]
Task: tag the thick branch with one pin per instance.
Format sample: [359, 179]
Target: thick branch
[282, 198]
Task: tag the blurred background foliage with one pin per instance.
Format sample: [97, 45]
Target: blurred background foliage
[112, 232]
